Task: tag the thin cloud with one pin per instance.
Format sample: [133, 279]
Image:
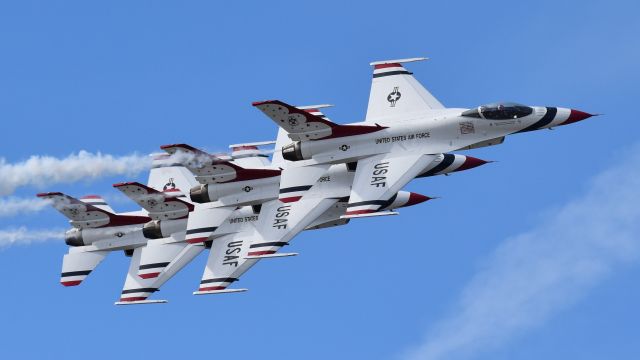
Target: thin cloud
[13, 206]
[532, 276]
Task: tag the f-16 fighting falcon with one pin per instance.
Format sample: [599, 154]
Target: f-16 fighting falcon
[97, 230]
[279, 210]
[245, 208]
[405, 131]
[159, 228]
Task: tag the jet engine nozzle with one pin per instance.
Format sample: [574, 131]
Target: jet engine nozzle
[73, 237]
[159, 229]
[293, 152]
[152, 230]
[200, 194]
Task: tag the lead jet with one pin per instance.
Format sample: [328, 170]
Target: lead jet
[405, 131]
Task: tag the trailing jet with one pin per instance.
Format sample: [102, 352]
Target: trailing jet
[97, 230]
[406, 130]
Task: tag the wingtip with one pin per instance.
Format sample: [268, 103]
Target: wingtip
[256, 103]
[397, 61]
[45, 194]
[120, 184]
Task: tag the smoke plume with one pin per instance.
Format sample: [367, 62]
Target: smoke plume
[24, 236]
[43, 171]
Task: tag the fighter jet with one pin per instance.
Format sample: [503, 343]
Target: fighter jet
[97, 230]
[282, 210]
[406, 131]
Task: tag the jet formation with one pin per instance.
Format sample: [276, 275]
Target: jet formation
[245, 206]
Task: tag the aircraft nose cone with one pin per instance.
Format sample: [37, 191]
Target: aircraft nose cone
[415, 198]
[470, 162]
[576, 115]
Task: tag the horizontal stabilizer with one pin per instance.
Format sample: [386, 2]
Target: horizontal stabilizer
[76, 266]
[86, 215]
[256, 144]
[160, 205]
[398, 61]
[213, 169]
[267, 256]
[373, 214]
[140, 302]
[223, 291]
[303, 125]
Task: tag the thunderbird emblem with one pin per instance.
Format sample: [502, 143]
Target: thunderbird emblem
[394, 96]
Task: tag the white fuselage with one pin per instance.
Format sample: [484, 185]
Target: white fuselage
[432, 132]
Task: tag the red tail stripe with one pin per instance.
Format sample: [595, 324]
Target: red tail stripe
[137, 298]
[149, 275]
[384, 66]
[212, 288]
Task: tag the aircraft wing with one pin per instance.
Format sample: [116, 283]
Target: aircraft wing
[302, 125]
[379, 177]
[160, 205]
[233, 255]
[214, 169]
[204, 221]
[158, 255]
[137, 288]
[226, 263]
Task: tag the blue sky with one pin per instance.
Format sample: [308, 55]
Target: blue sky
[122, 78]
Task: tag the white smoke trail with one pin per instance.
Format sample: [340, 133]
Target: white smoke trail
[13, 206]
[24, 236]
[42, 171]
[46, 170]
[532, 276]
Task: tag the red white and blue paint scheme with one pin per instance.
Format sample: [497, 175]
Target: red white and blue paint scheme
[406, 130]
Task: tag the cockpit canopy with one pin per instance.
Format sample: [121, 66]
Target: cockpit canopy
[499, 111]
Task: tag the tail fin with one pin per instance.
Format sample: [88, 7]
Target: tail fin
[249, 156]
[395, 92]
[167, 176]
[97, 201]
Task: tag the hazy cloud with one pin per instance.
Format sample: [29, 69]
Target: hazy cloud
[12, 206]
[533, 275]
